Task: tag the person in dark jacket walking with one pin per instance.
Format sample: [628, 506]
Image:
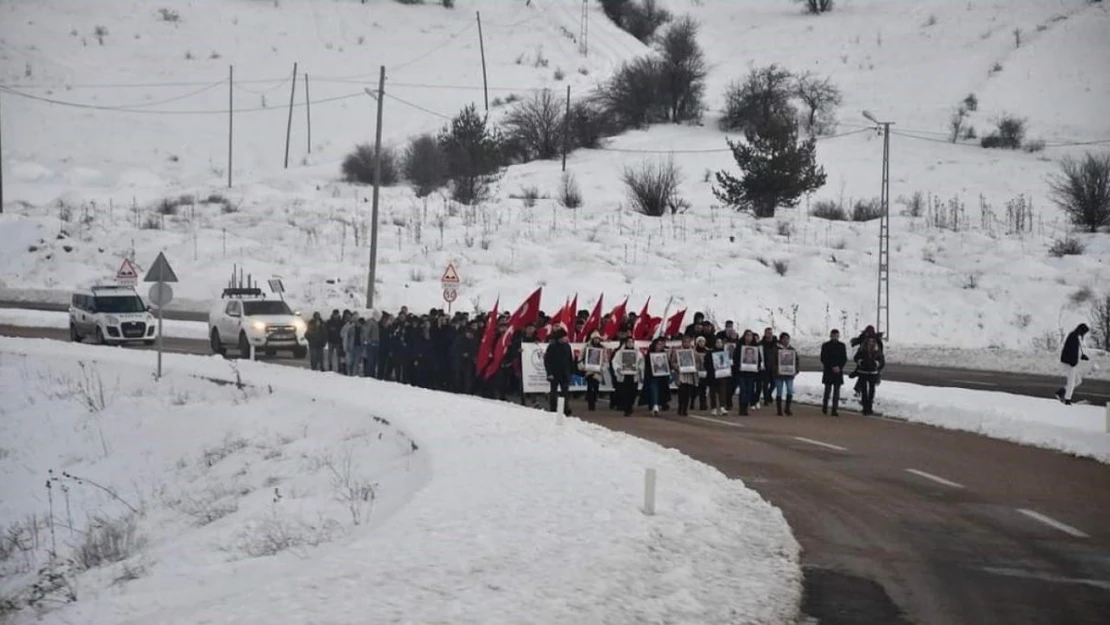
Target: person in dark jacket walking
[334, 327]
[464, 352]
[869, 364]
[317, 336]
[834, 355]
[770, 344]
[868, 332]
[1070, 356]
[558, 361]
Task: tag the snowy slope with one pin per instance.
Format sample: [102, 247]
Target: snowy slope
[317, 498]
[980, 286]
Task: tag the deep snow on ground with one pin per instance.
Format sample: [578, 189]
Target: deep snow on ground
[296, 496]
[1078, 429]
[974, 282]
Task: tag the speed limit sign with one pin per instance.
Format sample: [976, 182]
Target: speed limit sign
[450, 294]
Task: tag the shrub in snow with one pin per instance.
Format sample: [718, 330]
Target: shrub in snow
[108, 540]
[570, 196]
[828, 209]
[653, 188]
[1033, 145]
[534, 127]
[169, 15]
[820, 98]
[1081, 296]
[914, 204]
[971, 103]
[761, 101]
[632, 96]
[1082, 190]
[867, 210]
[529, 195]
[817, 7]
[474, 153]
[683, 71]
[358, 166]
[100, 33]
[781, 266]
[425, 165]
[410, 1]
[1100, 322]
[447, 4]
[776, 170]
[1009, 133]
[956, 123]
[590, 122]
[639, 19]
[1067, 246]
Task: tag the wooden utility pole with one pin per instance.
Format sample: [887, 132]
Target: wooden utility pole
[1, 168]
[372, 276]
[230, 117]
[482, 47]
[566, 130]
[289, 125]
[308, 112]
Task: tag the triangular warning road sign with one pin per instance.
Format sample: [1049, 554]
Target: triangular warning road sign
[450, 275]
[128, 272]
[160, 271]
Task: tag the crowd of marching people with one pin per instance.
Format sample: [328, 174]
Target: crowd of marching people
[480, 355]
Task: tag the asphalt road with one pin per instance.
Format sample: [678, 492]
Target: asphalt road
[901, 523]
[1094, 391]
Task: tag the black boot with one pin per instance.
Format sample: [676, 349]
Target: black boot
[778, 406]
[789, 400]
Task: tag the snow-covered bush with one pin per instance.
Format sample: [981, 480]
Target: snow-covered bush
[425, 165]
[474, 152]
[639, 19]
[653, 188]
[682, 81]
[1082, 190]
[534, 127]
[107, 540]
[820, 97]
[570, 196]
[817, 7]
[828, 209]
[358, 166]
[867, 210]
[1009, 133]
[1067, 246]
[761, 100]
[632, 96]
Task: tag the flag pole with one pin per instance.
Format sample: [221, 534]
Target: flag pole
[666, 309]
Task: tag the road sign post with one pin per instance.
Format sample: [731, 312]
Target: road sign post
[160, 274]
[450, 283]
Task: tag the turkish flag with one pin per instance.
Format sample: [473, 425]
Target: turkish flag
[674, 324]
[571, 316]
[616, 319]
[487, 338]
[642, 330]
[593, 322]
[525, 314]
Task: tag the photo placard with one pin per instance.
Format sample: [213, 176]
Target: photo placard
[788, 362]
[687, 362]
[627, 362]
[749, 358]
[660, 366]
[592, 359]
[722, 365]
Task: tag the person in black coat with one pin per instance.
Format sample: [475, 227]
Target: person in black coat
[770, 345]
[334, 327]
[463, 354]
[558, 361]
[1070, 356]
[834, 355]
[868, 333]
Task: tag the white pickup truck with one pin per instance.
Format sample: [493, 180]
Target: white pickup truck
[243, 318]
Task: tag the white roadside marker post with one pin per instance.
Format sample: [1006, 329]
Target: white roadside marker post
[1108, 417]
[560, 408]
[649, 492]
[252, 352]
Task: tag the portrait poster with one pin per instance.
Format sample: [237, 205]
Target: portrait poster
[788, 362]
[749, 358]
[593, 359]
[660, 367]
[627, 362]
[722, 365]
[687, 363]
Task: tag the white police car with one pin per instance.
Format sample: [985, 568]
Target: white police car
[112, 314]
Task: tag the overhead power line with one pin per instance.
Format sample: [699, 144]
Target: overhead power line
[716, 150]
[1060, 144]
[132, 109]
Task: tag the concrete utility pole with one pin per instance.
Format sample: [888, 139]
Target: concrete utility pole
[882, 300]
[371, 278]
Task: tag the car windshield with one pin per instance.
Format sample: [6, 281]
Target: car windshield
[120, 304]
[267, 307]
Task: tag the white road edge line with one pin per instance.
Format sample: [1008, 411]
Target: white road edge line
[974, 383]
[935, 478]
[735, 425]
[1051, 522]
[820, 444]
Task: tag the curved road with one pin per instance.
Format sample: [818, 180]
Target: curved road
[902, 523]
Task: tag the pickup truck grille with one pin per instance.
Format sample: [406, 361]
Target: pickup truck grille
[280, 332]
[133, 329]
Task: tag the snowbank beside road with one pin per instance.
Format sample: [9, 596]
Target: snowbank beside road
[1076, 429]
[265, 494]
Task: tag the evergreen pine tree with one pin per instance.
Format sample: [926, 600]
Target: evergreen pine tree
[776, 169]
[474, 155]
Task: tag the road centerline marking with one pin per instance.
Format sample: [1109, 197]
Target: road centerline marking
[820, 444]
[1053, 523]
[720, 421]
[935, 478]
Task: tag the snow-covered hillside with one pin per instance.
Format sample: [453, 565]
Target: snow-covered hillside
[252, 493]
[961, 273]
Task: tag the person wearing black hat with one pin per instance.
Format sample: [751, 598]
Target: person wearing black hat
[1071, 356]
[558, 360]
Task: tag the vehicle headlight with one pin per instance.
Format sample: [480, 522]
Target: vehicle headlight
[111, 320]
[299, 325]
[258, 325]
